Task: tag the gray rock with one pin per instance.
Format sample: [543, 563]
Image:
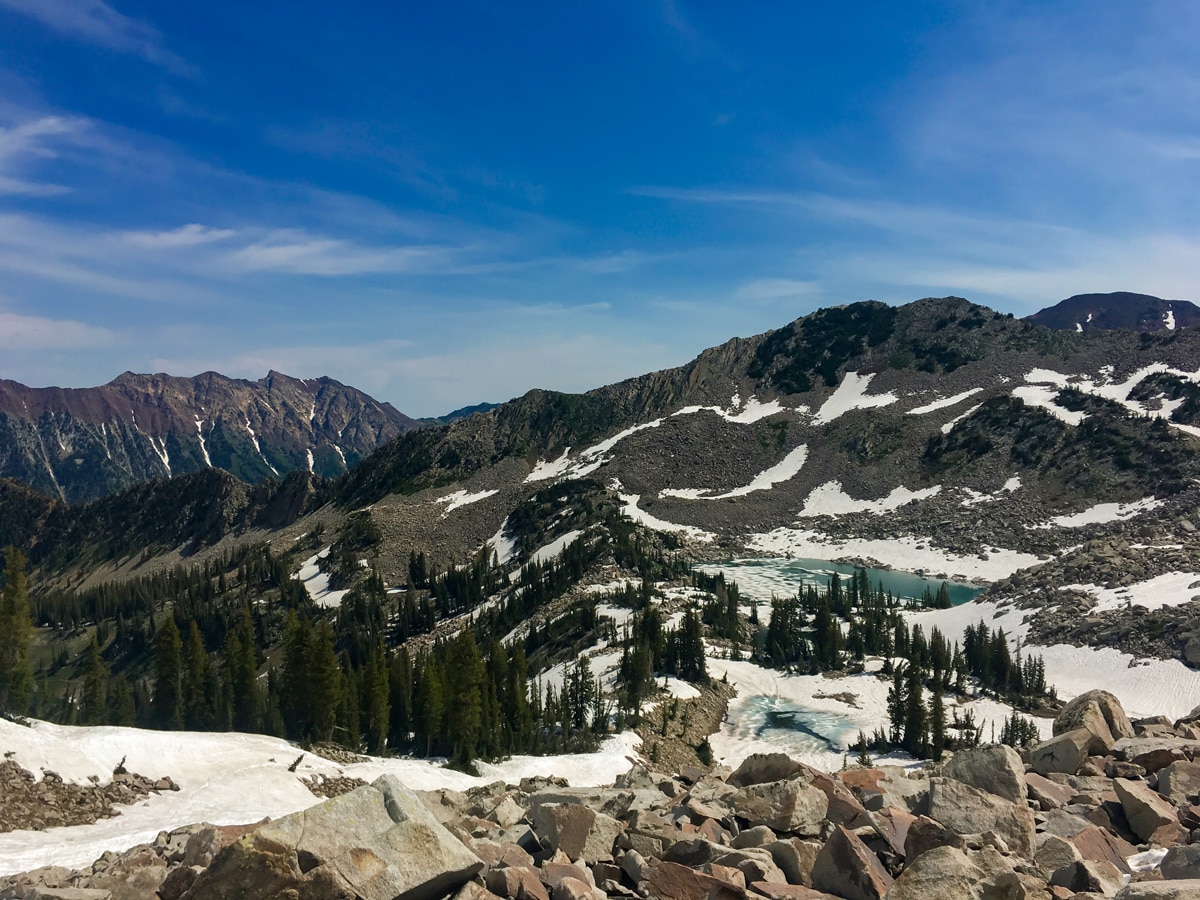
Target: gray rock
[1181, 862]
[785, 806]
[1145, 810]
[1180, 781]
[1066, 752]
[1160, 890]
[378, 842]
[577, 830]
[1098, 712]
[947, 873]
[967, 810]
[996, 769]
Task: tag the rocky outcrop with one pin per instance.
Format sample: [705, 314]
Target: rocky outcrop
[27, 802]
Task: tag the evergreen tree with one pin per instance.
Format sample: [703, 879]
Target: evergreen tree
[200, 684]
[94, 700]
[376, 702]
[916, 726]
[167, 710]
[16, 634]
[937, 724]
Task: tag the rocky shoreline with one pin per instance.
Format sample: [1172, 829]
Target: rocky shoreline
[1105, 808]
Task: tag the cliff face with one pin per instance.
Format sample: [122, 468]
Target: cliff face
[79, 444]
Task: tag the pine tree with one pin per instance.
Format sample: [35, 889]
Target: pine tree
[916, 728]
[199, 698]
[376, 703]
[16, 634]
[94, 700]
[937, 724]
[168, 665]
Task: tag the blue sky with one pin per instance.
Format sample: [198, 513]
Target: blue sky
[451, 202]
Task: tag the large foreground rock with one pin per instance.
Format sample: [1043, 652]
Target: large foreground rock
[1098, 712]
[784, 806]
[947, 873]
[967, 810]
[378, 842]
[996, 769]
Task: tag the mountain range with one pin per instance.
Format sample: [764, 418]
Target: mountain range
[78, 444]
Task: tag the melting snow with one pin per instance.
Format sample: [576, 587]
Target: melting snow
[784, 470]
[308, 455]
[829, 499]
[1171, 589]
[851, 394]
[1169, 320]
[162, 451]
[754, 410]
[631, 509]
[1043, 397]
[907, 554]
[555, 547]
[504, 547]
[227, 779]
[949, 426]
[316, 582]
[944, 403]
[544, 471]
[1102, 513]
[463, 498]
[203, 448]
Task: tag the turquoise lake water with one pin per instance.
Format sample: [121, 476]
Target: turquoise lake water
[791, 727]
[761, 578]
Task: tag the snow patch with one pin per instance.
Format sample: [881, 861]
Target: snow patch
[316, 582]
[309, 457]
[1169, 320]
[504, 547]
[829, 499]
[544, 471]
[1101, 513]
[1171, 589]
[851, 394]
[203, 447]
[1043, 398]
[631, 509]
[463, 498]
[944, 403]
[555, 547]
[949, 426]
[753, 411]
[784, 470]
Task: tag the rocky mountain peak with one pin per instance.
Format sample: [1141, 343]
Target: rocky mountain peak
[1119, 309]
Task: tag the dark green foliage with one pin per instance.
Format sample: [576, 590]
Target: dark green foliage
[1019, 731]
[16, 634]
[818, 346]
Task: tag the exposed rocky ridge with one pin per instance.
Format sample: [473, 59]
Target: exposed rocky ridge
[78, 444]
[1105, 808]
[1121, 309]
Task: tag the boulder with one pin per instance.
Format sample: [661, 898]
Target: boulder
[967, 810]
[1145, 810]
[577, 830]
[996, 769]
[1154, 754]
[947, 873]
[1181, 862]
[1053, 853]
[378, 842]
[1089, 876]
[1098, 844]
[671, 881]
[1160, 890]
[924, 834]
[793, 806]
[886, 786]
[795, 859]
[1067, 752]
[846, 867]
[1100, 713]
[1179, 781]
[1048, 794]
[517, 883]
[761, 768]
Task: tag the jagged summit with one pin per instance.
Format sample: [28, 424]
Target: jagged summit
[1120, 309]
[82, 443]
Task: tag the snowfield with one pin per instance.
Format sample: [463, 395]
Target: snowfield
[462, 498]
[944, 403]
[1171, 589]
[784, 470]
[829, 499]
[851, 394]
[1101, 514]
[316, 582]
[227, 779]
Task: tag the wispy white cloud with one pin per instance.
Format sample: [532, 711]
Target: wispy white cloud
[96, 22]
[21, 334]
[190, 235]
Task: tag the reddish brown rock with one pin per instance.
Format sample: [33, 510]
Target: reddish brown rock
[846, 867]
[671, 881]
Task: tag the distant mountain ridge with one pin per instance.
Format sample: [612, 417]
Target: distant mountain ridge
[79, 444]
[1120, 309]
